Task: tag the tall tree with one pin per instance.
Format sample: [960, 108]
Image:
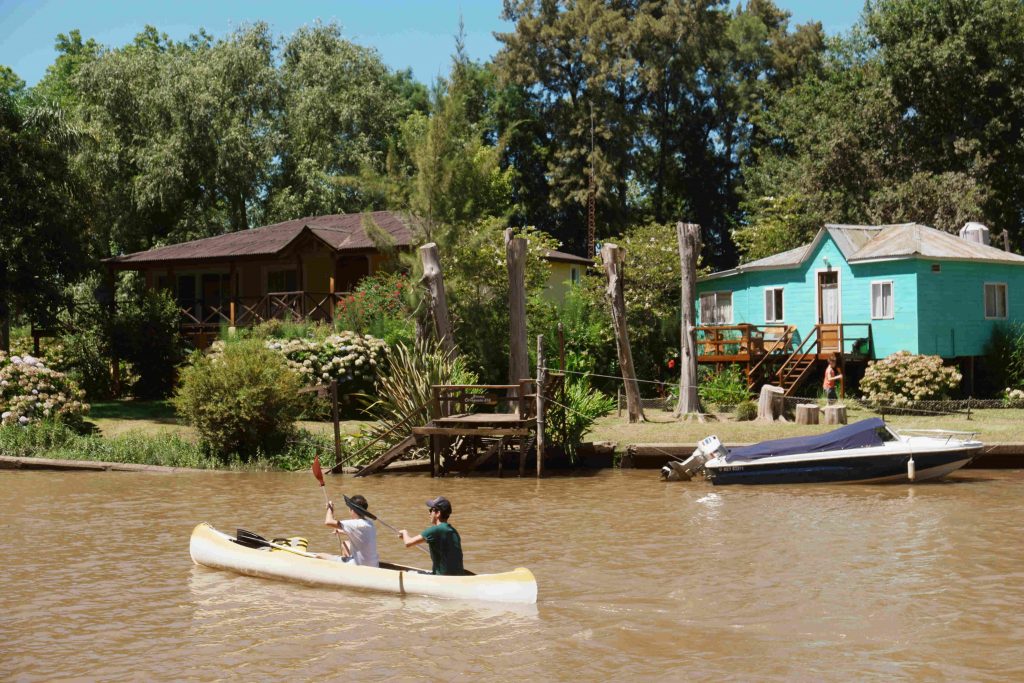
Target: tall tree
[40, 244]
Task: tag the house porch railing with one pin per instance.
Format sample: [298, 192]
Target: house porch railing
[207, 316]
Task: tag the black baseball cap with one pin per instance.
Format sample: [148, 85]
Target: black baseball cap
[441, 503]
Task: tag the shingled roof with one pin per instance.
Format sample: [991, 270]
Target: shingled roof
[341, 232]
[863, 243]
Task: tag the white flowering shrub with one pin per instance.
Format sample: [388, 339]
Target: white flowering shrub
[31, 392]
[350, 358]
[903, 378]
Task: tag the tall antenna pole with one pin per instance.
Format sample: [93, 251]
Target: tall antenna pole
[591, 191]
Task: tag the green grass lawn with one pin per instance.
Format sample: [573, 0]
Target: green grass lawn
[114, 418]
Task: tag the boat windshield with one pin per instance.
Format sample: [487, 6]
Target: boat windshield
[861, 434]
[885, 435]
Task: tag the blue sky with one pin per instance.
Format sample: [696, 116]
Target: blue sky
[407, 33]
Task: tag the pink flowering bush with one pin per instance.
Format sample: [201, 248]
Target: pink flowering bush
[31, 392]
[903, 378]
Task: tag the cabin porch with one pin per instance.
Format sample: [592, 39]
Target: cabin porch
[780, 354]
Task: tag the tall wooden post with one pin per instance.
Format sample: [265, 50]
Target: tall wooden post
[233, 288]
[337, 424]
[437, 301]
[542, 376]
[518, 359]
[614, 259]
[688, 236]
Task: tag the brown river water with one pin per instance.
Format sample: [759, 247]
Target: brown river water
[638, 580]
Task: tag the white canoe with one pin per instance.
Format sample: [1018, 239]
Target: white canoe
[212, 548]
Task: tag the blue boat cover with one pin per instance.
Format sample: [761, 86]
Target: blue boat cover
[858, 435]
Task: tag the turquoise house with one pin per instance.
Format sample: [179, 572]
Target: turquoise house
[867, 291]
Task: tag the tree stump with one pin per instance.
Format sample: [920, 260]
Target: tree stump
[807, 414]
[769, 403]
[835, 415]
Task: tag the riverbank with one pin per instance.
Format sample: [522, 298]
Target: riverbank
[149, 434]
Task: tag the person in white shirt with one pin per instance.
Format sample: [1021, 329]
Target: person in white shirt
[361, 546]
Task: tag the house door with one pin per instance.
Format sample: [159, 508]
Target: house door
[828, 311]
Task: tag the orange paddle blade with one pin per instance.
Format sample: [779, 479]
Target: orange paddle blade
[317, 472]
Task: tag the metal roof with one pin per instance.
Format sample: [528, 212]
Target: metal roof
[340, 232]
[862, 243]
[563, 257]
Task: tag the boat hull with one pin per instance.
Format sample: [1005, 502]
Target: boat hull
[860, 468]
[212, 548]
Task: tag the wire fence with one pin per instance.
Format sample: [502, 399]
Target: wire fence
[963, 406]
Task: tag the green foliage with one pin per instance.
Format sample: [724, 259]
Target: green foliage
[577, 408]
[377, 307]
[1004, 357]
[82, 355]
[243, 400]
[746, 411]
[42, 243]
[727, 387]
[903, 377]
[146, 338]
[775, 225]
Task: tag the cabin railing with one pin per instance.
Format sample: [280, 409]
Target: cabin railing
[208, 315]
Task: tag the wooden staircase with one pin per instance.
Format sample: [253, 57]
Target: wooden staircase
[792, 373]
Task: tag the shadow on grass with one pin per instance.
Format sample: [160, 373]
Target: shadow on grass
[154, 411]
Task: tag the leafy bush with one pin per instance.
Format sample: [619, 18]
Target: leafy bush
[31, 392]
[725, 388]
[580, 407]
[1004, 358]
[904, 377]
[746, 411]
[81, 355]
[377, 308]
[243, 399]
[146, 338]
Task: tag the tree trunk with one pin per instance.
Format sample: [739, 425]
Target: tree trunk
[688, 236]
[768, 403]
[518, 358]
[437, 301]
[5, 325]
[614, 260]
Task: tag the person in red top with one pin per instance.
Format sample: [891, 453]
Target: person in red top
[831, 376]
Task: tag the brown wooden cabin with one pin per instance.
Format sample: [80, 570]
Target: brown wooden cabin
[779, 354]
[296, 270]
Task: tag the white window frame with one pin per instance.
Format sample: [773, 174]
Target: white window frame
[880, 315]
[775, 317]
[703, 308]
[996, 286]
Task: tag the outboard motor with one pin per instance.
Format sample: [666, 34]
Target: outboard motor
[709, 447]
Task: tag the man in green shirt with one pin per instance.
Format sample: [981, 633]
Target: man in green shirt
[442, 538]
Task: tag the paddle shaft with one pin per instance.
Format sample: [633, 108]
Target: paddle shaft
[327, 500]
[374, 517]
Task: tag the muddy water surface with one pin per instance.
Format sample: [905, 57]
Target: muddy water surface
[639, 580]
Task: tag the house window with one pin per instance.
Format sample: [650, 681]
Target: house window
[773, 305]
[574, 275]
[881, 300]
[283, 281]
[995, 300]
[716, 308]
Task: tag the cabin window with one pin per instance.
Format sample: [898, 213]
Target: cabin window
[283, 280]
[881, 300]
[995, 300]
[716, 308]
[773, 305]
[574, 275]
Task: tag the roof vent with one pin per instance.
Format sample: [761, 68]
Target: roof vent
[975, 232]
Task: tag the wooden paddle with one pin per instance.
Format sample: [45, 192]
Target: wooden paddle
[319, 474]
